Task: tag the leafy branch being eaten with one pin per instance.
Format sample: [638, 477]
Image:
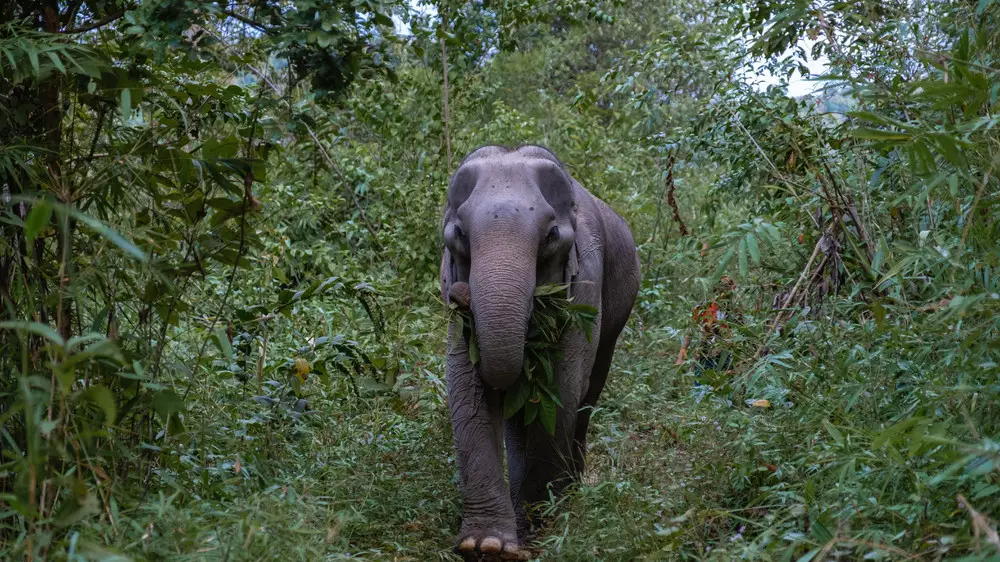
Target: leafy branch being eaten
[536, 392]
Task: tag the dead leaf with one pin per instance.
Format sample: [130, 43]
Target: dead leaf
[302, 368]
[981, 524]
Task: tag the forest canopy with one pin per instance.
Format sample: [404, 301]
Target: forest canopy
[221, 331]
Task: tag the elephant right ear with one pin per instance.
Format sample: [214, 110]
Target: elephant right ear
[448, 274]
[460, 188]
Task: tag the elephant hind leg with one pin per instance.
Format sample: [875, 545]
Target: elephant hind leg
[598, 377]
[538, 463]
[514, 435]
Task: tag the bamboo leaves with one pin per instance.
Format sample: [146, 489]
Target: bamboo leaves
[37, 220]
[27, 55]
[745, 245]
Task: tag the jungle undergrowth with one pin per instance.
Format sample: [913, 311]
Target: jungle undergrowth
[192, 368]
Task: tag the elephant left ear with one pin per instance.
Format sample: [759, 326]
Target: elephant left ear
[571, 271]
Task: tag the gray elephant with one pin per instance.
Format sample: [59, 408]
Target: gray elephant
[514, 220]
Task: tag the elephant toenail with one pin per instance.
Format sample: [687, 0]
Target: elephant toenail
[490, 544]
[467, 545]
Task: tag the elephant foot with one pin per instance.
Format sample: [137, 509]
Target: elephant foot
[488, 543]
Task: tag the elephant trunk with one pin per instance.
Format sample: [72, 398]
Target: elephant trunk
[502, 283]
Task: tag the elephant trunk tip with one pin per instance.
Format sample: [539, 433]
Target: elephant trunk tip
[501, 354]
[461, 295]
[503, 378]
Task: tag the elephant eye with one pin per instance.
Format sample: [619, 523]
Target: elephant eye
[553, 234]
[458, 232]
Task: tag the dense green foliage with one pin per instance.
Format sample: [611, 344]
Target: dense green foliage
[221, 334]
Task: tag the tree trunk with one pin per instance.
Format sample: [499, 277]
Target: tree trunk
[52, 119]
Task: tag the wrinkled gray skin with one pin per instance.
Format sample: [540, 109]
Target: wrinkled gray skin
[514, 220]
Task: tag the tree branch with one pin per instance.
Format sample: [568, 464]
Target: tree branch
[671, 200]
[71, 11]
[245, 20]
[96, 24]
[788, 300]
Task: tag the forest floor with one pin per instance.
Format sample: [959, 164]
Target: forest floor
[374, 478]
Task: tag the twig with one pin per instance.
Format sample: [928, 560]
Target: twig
[261, 360]
[656, 227]
[972, 210]
[343, 181]
[71, 11]
[788, 300]
[981, 524]
[754, 141]
[96, 24]
[671, 200]
[812, 280]
[802, 276]
[774, 169]
[930, 211]
[247, 204]
[948, 57]
[245, 20]
[93, 142]
[845, 197]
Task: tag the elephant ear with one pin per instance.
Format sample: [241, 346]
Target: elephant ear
[558, 190]
[461, 186]
[459, 189]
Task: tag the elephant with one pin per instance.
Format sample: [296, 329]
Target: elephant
[514, 220]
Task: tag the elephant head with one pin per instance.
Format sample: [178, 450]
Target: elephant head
[509, 225]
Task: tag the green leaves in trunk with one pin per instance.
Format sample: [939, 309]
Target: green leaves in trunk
[536, 393]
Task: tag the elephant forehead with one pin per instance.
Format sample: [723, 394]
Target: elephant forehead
[527, 177]
[505, 172]
[495, 207]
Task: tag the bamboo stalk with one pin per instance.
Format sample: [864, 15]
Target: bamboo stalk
[447, 121]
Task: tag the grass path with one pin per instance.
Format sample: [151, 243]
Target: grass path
[375, 479]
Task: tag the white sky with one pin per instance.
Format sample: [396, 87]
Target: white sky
[798, 85]
[415, 6]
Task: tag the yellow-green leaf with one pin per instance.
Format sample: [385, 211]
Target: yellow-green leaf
[102, 397]
[754, 249]
[37, 219]
[126, 103]
[743, 257]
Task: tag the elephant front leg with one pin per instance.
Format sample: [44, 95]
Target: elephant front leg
[477, 424]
